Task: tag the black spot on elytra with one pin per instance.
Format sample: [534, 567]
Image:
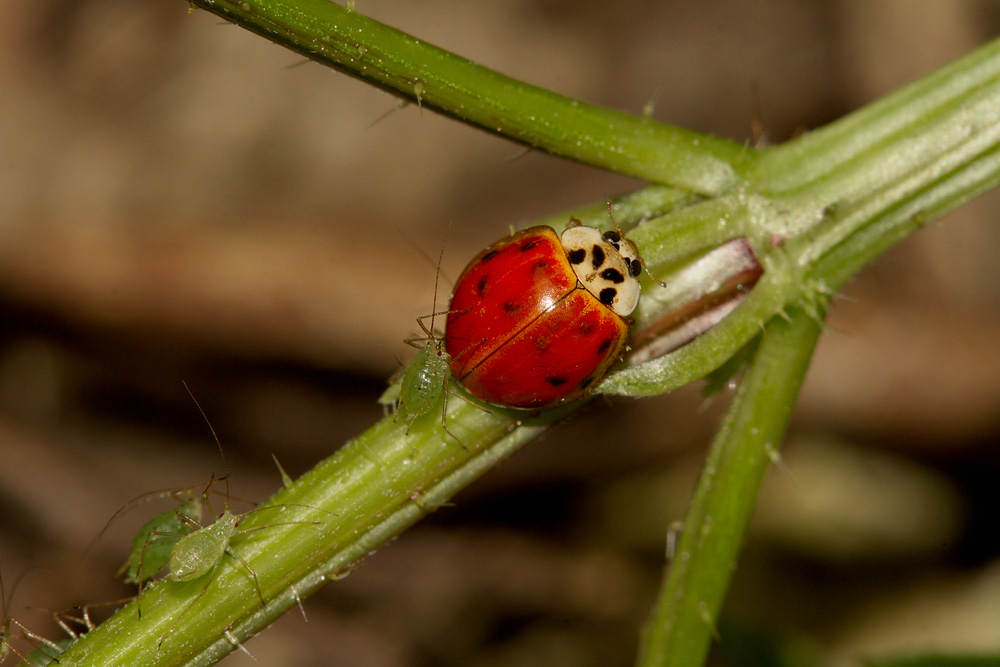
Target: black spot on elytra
[607, 295]
[577, 256]
[482, 284]
[488, 256]
[586, 328]
[614, 275]
[511, 307]
[605, 344]
[556, 381]
[598, 257]
[525, 247]
[635, 267]
[541, 343]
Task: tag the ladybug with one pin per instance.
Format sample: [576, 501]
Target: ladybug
[536, 319]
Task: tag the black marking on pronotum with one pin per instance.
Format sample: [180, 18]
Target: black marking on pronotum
[612, 236]
[607, 295]
[577, 256]
[614, 275]
[556, 381]
[598, 258]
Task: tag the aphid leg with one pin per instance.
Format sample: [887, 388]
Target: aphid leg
[63, 618]
[253, 572]
[444, 415]
[186, 609]
[49, 648]
[42, 644]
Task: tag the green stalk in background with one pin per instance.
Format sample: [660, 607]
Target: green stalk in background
[812, 212]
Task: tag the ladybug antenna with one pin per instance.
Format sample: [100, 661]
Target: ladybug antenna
[642, 261]
[614, 222]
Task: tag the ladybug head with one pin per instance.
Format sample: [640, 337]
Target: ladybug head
[606, 265]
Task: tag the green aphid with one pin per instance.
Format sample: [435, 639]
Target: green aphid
[156, 539]
[198, 553]
[426, 378]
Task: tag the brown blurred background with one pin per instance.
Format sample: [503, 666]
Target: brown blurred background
[182, 200]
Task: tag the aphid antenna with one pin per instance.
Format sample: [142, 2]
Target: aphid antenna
[437, 278]
[215, 436]
[429, 334]
[225, 467]
[423, 253]
[150, 496]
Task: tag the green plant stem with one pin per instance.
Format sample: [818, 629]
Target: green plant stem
[684, 621]
[809, 210]
[439, 80]
[897, 116]
[911, 169]
[320, 528]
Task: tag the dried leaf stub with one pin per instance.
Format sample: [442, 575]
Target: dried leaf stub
[696, 299]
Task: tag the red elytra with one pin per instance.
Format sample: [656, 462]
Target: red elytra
[522, 331]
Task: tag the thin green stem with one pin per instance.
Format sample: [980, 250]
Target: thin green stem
[683, 623]
[439, 80]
